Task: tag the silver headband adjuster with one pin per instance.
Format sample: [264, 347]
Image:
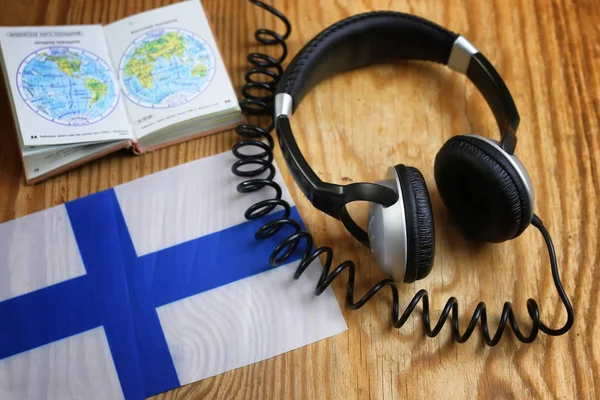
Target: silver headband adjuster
[460, 56]
[283, 105]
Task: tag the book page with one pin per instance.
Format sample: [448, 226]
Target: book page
[62, 85]
[38, 164]
[169, 66]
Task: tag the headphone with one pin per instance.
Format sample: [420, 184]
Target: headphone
[481, 181]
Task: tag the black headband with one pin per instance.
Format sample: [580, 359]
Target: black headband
[369, 39]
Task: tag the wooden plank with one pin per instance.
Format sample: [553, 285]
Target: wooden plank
[353, 127]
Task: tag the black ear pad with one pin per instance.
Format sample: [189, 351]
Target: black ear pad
[481, 189]
[420, 230]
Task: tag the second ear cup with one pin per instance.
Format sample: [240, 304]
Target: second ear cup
[482, 190]
[420, 230]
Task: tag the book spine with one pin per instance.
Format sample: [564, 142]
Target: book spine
[136, 149]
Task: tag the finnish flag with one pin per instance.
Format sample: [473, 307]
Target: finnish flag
[148, 286]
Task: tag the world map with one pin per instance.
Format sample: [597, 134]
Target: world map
[165, 68]
[67, 85]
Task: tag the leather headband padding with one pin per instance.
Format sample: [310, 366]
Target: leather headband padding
[362, 40]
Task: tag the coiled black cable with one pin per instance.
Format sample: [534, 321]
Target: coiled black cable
[252, 163]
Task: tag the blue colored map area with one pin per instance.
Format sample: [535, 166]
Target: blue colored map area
[67, 85]
[165, 68]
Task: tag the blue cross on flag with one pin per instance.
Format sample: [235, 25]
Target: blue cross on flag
[151, 285]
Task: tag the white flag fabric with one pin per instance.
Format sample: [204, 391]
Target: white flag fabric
[148, 286]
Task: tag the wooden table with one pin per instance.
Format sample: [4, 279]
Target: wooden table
[356, 125]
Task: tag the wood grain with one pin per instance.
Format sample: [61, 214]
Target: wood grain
[353, 127]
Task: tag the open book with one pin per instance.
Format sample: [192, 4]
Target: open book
[80, 92]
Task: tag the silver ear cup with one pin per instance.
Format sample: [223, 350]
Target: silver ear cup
[387, 231]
